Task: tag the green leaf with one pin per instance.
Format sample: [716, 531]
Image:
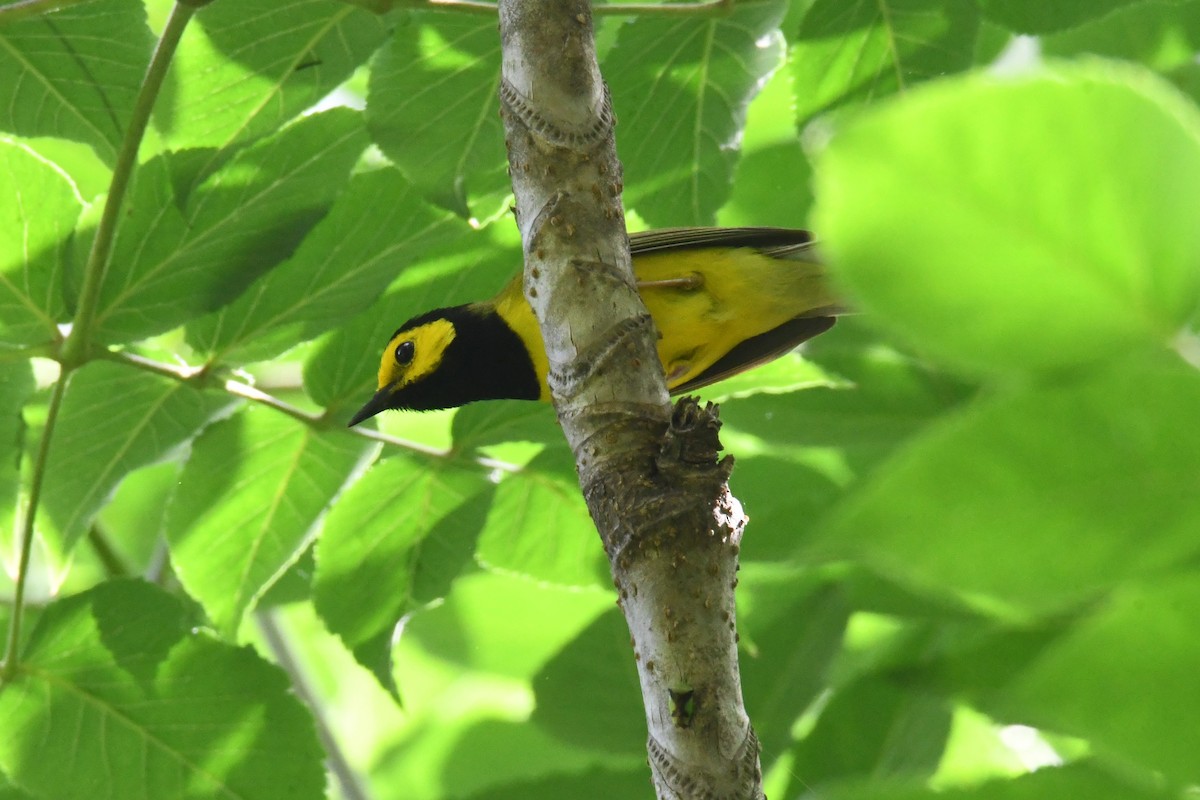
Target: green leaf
[1162, 36]
[853, 52]
[38, 209]
[175, 257]
[1035, 16]
[479, 425]
[10, 792]
[497, 625]
[117, 684]
[539, 526]
[682, 112]
[114, 419]
[401, 524]
[1040, 498]
[784, 666]
[351, 256]
[772, 184]
[74, 73]
[1003, 269]
[1125, 679]
[598, 656]
[433, 109]
[1073, 781]
[248, 503]
[873, 727]
[798, 454]
[248, 67]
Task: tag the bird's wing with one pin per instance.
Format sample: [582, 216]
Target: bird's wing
[759, 350]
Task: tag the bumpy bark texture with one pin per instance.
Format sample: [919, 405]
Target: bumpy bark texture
[651, 477]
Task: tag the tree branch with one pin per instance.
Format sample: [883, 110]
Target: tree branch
[651, 478]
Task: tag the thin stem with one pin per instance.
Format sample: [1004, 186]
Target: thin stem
[75, 349]
[110, 559]
[9, 669]
[280, 648]
[247, 392]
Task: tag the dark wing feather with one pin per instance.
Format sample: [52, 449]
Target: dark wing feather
[773, 242]
[759, 350]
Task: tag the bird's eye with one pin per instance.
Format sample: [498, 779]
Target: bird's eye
[405, 352]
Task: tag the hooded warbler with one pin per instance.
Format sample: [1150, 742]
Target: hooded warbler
[723, 300]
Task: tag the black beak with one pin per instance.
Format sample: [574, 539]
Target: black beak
[376, 404]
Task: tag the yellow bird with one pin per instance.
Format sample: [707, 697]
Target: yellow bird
[723, 300]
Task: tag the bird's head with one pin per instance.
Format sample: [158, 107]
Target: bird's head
[410, 363]
[448, 357]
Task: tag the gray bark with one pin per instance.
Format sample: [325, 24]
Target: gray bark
[650, 475]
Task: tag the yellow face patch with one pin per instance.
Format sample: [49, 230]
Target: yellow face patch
[415, 353]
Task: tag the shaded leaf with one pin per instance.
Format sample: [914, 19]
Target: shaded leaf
[1034, 16]
[1124, 679]
[404, 519]
[1040, 498]
[16, 386]
[74, 73]
[375, 227]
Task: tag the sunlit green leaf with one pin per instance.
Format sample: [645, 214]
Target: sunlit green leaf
[539, 526]
[433, 110]
[180, 257]
[404, 523]
[862, 50]
[247, 504]
[682, 111]
[38, 209]
[114, 419]
[999, 269]
[118, 684]
[247, 67]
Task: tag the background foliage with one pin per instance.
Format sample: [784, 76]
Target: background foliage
[973, 559]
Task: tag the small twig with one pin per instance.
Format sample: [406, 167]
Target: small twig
[110, 559]
[346, 777]
[9, 668]
[183, 372]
